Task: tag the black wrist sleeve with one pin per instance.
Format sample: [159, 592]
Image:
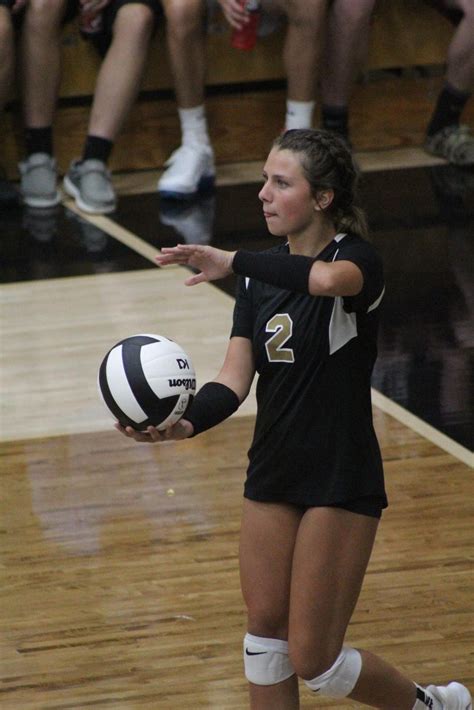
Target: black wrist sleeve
[288, 271]
[213, 403]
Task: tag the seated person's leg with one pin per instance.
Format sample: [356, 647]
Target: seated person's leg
[191, 167]
[8, 194]
[40, 69]
[446, 136]
[301, 55]
[346, 47]
[131, 25]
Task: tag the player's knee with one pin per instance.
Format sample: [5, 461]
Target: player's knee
[339, 680]
[266, 660]
[308, 660]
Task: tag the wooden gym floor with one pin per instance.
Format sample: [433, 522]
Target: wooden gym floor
[120, 582]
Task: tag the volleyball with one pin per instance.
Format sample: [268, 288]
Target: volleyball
[147, 380]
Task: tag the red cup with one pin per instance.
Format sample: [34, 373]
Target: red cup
[246, 37]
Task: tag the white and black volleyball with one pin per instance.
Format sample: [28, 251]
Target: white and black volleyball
[147, 380]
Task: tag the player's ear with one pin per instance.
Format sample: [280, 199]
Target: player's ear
[323, 199]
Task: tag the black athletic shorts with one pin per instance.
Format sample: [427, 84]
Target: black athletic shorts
[366, 505]
[452, 13]
[103, 39]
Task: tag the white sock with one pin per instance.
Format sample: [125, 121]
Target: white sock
[194, 125]
[429, 702]
[299, 114]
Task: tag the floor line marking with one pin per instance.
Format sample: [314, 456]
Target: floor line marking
[421, 427]
[113, 229]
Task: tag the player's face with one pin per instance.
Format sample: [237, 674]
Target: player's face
[288, 205]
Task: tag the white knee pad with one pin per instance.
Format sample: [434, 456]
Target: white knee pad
[266, 660]
[339, 681]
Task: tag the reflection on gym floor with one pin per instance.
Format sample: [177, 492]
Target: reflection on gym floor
[421, 220]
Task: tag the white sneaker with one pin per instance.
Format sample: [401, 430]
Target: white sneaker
[452, 697]
[190, 169]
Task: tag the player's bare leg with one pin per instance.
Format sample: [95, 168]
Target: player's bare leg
[267, 540]
[332, 550]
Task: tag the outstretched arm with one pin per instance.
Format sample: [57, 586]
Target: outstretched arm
[288, 271]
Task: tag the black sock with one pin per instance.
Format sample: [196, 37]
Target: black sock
[336, 119]
[39, 140]
[97, 148]
[448, 109]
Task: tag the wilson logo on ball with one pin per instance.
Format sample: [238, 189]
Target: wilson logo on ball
[141, 381]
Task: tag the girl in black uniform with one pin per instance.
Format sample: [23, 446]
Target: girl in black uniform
[306, 320]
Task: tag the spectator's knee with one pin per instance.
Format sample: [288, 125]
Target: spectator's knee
[184, 19]
[43, 15]
[306, 14]
[136, 20]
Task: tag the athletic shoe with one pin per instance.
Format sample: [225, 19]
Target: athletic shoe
[38, 181]
[190, 169]
[90, 184]
[454, 143]
[452, 697]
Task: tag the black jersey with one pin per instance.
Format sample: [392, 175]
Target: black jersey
[314, 441]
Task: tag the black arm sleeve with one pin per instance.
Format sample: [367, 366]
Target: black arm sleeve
[287, 271]
[213, 403]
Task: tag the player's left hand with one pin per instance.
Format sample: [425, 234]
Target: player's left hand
[212, 263]
[181, 430]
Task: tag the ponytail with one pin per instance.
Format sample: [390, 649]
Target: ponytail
[353, 220]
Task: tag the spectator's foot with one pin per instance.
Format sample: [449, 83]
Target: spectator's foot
[454, 143]
[39, 181]
[190, 170]
[9, 196]
[90, 184]
[452, 697]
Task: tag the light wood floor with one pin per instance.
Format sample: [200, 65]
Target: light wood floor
[119, 562]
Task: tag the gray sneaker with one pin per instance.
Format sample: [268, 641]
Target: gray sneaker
[90, 184]
[38, 181]
[454, 143]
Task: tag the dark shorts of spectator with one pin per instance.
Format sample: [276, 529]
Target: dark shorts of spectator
[453, 14]
[102, 40]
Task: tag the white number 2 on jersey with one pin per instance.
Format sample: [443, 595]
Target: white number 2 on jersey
[282, 327]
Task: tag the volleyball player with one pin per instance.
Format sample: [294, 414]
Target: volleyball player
[306, 320]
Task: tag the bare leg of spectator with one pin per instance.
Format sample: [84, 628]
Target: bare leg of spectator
[118, 83]
[301, 56]
[40, 53]
[446, 137]
[8, 194]
[346, 47]
[7, 54]
[191, 167]
[121, 72]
